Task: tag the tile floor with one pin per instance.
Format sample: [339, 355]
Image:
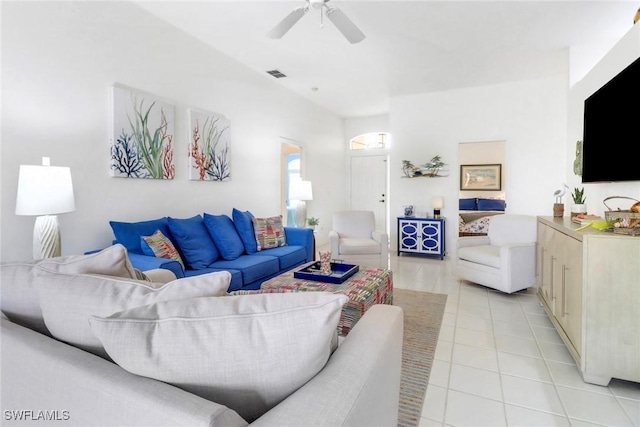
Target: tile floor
[500, 362]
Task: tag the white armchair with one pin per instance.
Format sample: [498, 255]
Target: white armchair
[505, 258]
[354, 239]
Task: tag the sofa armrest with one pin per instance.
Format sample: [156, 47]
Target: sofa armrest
[301, 237]
[359, 385]
[145, 262]
[160, 275]
[334, 243]
[380, 237]
[518, 263]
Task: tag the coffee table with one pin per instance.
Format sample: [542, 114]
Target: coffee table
[364, 289]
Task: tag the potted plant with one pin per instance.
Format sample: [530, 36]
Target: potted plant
[579, 206]
[313, 222]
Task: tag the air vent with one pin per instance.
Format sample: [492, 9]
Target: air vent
[277, 74]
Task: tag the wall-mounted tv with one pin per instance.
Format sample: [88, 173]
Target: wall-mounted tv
[611, 138]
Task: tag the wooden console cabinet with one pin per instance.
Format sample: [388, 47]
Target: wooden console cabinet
[589, 285]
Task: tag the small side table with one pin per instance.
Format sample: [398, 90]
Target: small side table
[424, 236]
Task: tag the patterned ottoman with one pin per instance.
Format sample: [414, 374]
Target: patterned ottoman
[364, 289]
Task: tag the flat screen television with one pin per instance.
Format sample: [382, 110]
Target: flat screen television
[611, 133]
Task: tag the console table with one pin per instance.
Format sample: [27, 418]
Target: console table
[589, 286]
[423, 236]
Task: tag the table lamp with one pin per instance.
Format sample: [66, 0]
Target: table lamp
[45, 191]
[300, 191]
[437, 203]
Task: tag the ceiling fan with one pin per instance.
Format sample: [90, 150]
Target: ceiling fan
[335, 15]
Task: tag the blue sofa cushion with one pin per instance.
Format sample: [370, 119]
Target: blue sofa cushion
[288, 256]
[491, 205]
[252, 267]
[225, 236]
[244, 224]
[194, 242]
[468, 204]
[129, 233]
[234, 284]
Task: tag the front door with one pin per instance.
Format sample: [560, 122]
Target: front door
[368, 190]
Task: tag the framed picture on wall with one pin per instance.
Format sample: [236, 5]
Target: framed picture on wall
[481, 177]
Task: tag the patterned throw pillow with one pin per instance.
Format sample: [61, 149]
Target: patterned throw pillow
[269, 232]
[162, 247]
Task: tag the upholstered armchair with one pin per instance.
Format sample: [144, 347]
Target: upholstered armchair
[505, 258]
[354, 239]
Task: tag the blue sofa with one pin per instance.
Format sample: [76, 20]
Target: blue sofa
[207, 243]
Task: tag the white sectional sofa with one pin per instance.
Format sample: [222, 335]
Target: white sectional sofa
[49, 380]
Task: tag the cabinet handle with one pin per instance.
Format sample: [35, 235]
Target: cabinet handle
[564, 291]
[551, 283]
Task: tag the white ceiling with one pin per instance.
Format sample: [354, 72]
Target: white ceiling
[411, 46]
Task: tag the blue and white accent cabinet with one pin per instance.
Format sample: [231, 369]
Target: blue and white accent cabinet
[424, 236]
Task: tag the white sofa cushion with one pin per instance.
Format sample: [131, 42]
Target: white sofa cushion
[484, 254]
[354, 246]
[68, 301]
[19, 298]
[246, 352]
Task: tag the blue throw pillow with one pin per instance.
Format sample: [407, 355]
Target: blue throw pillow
[129, 233]
[491, 205]
[244, 224]
[224, 235]
[194, 242]
[468, 204]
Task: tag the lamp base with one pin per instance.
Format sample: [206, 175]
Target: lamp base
[301, 214]
[436, 213]
[46, 237]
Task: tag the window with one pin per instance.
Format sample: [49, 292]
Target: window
[371, 141]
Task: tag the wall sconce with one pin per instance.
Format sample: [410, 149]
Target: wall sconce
[45, 191]
[301, 191]
[437, 203]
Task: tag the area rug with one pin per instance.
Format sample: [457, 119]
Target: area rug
[423, 312]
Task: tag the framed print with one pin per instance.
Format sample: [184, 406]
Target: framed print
[209, 146]
[141, 135]
[481, 177]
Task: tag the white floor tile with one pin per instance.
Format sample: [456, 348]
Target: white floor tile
[474, 322]
[517, 329]
[522, 366]
[523, 417]
[514, 345]
[593, 407]
[627, 389]
[443, 350]
[632, 408]
[434, 403]
[555, 352]
[475, 381]
[475, 356]
[473, 411]
[531, 394]
[474, 338]
[439, 375]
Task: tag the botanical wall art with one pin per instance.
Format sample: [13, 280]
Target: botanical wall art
[142, 139]
[481, 177]
[209, 151]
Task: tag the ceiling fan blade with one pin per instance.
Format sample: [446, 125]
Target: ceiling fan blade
[289, 21]
[344, 24]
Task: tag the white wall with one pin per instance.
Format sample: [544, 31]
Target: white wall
[619, 57]
[59, 60]
[529, 115]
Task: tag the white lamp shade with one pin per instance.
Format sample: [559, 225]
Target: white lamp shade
[44, 190]
[300, 190]
[437, 202]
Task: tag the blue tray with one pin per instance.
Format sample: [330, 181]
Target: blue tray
[339, 272]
